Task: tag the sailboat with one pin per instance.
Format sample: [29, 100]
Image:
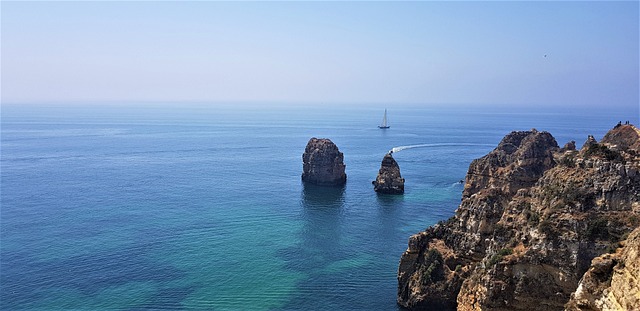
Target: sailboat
[384, 124]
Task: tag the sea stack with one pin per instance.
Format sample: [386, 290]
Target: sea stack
[322, 163]
[389, 180]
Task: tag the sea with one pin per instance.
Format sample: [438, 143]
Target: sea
[200, 206]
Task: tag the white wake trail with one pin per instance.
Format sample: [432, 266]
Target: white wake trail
[400, 148]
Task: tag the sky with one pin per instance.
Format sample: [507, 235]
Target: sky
[510, 53]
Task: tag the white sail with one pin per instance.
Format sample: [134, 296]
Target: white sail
[384, 124]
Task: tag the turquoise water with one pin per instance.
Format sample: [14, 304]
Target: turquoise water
[197, 207]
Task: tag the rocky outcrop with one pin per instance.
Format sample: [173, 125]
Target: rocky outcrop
[322, 163]
[589, 142]
[613, 280]
[389, 180]
[532, 218]
[570, 146]
[623, 138]
[517, 162]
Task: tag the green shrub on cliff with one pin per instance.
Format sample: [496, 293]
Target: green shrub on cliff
[433, 262]
[598, 228]
[497, 257]
[600, 150]
[568, 160]
[546, 227]
[533, 217]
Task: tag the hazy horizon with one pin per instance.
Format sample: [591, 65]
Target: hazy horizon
[573, 54]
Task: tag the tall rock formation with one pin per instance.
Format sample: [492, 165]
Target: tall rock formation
[389, 180]
[322, 163]
[532, 218]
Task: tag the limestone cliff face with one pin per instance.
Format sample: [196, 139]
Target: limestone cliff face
[389, 180]
[532, 218]
[613, 280]
[517, 162]
[322, 163]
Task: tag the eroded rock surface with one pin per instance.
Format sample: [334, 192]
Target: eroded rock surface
[518, 161]
[532, 218]
[323, 163]
[389, 180]
[613, 280]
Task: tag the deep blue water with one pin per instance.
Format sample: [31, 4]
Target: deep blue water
[201, 207]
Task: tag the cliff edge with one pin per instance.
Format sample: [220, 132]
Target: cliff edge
[532, 218]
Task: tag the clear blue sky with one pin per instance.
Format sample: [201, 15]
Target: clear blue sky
[414, 52]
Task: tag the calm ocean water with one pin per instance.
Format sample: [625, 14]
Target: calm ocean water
[128, 207]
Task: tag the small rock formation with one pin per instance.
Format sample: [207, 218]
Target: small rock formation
[570, 146]
[532, 218]
[322, 163]
[589, 142]
[389, 180]
[613, 280]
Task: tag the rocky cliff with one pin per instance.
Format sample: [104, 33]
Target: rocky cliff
[532, 218]
[389, 180]
[322, 163]
[613, 280]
